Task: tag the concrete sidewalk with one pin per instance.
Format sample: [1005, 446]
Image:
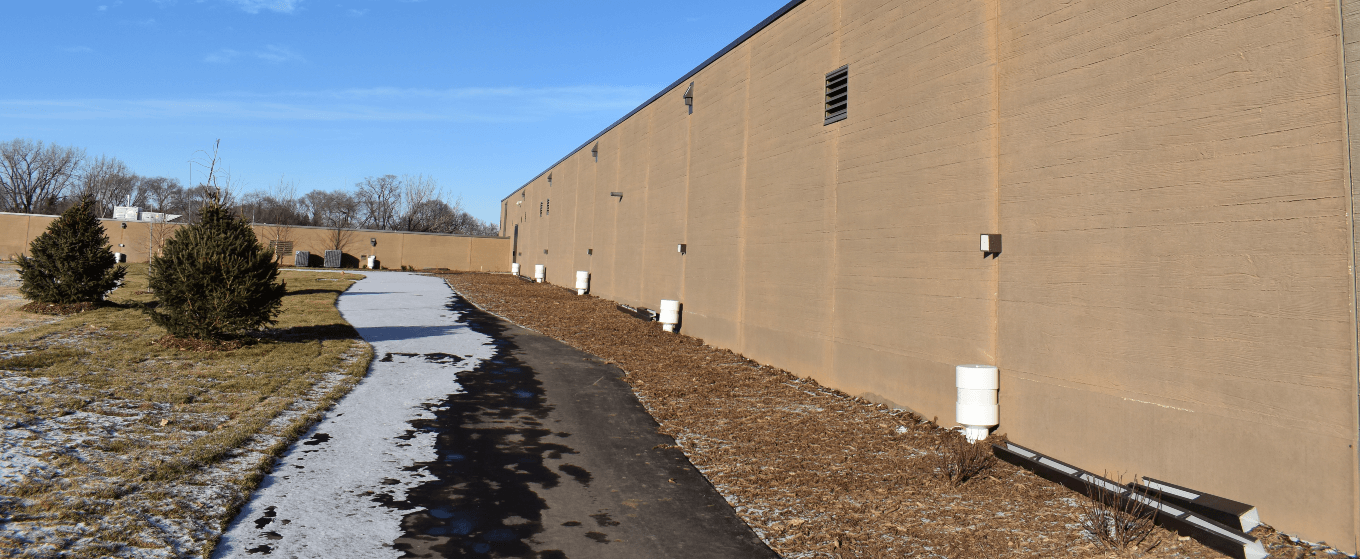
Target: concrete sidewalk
[474, 437]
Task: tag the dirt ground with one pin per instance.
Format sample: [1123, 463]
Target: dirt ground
[815, 472]
[11, 319]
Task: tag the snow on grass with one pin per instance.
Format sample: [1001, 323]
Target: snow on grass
[111, 446]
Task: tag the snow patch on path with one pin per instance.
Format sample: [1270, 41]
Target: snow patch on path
[337, 493]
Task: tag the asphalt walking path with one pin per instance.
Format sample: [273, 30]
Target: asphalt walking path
[474, 437]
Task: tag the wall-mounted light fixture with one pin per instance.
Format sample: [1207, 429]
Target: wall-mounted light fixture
[680, 248]
[590, 251]
[373, 242]
[689, 98]
[124, 225]
[617, 194]
[991, 244]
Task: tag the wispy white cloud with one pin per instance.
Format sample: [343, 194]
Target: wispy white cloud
[504, 104]
[277, 54]
[221, 56]
[256, 6]
[270, 53]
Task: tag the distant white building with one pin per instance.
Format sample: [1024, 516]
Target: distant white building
[135, 214]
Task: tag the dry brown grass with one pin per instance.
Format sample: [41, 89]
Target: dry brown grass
[10, 301]
[117, 446]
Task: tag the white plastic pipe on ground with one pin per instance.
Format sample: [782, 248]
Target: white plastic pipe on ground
[582, 282]
[514, 269]
[540, 273]
[670, 314]
[976, 408]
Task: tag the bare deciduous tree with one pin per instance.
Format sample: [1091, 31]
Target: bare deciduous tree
[217, 186]
[336, 212]
[157, 232]
[277, 210]
[423, 207]
[161, 194]
[108, 182]
[33, 177]
[379, 200]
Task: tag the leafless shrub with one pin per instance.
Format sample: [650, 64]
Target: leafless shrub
[959, 461]
[1118, 521]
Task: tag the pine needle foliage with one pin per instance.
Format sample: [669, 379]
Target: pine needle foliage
[71, 262]
[214, 279]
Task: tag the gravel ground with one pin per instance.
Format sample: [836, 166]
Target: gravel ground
[815, 472]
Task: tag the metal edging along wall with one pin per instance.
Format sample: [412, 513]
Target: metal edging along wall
[734, 44]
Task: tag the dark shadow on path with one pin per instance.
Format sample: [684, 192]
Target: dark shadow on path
[492, 448]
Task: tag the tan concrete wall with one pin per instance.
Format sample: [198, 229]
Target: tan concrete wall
[1350, 21]
[393, 249]
[1178, 228]
[1175, 298]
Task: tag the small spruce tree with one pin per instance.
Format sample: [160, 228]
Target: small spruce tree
[214, 279]
[71, 262]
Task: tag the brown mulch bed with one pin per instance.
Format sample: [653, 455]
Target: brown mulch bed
[58, 308]
[815, 472]
[196, 345]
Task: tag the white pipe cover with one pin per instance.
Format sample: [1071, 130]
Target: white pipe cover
[670, 314]
[976, 377]
[582, 282]
[976, 408]
[540, 272]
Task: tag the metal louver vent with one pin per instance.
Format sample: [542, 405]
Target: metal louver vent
[837, 94]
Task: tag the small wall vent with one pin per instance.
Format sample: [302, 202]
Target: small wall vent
[837, 94]
[595, 152]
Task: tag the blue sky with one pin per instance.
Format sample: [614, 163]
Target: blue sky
[480, 95]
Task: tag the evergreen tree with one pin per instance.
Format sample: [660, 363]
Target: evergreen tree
[214, 279]
[71, 262]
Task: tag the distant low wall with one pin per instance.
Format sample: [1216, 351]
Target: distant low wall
[393, 249]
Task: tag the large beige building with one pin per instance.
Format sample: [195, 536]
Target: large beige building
[1176, 294]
